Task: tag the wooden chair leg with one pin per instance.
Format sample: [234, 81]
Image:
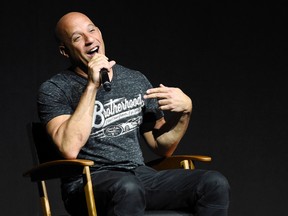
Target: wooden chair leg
[187, 164]
[192, 166]
[44, 198]
[89, 192]
[184, 164]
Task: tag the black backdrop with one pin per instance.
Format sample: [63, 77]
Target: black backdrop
[229, 57]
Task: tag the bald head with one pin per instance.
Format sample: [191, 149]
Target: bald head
[67, 22]
[78, 38]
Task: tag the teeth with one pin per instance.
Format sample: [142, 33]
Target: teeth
[95, 49]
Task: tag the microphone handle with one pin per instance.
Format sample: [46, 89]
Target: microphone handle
[105, 79]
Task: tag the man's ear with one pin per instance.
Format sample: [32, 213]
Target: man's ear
[63, 51]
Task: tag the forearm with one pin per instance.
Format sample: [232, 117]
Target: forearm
[168, 141]
[71, 134]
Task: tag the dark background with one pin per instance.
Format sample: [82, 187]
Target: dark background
[231, 58]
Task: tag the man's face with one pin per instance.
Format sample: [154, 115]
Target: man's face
[81, 38]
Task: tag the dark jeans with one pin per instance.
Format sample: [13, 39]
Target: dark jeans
[129, 193]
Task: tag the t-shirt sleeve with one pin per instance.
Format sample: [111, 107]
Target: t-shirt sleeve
[52, 102]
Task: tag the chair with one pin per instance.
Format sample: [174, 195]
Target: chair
[49, 165]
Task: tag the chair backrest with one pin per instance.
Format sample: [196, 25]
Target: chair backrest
[43, 148]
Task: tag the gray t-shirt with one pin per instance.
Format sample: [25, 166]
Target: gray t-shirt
[118, 115]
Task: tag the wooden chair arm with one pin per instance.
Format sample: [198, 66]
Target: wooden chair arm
[175, 161]
[58, 169]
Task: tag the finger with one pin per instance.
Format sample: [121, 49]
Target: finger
[156, 95]
[156, 90]
[98, 56]
[163, 101]
[112, 63]
[165, 107]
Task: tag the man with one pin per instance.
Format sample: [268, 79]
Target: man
[86, 121]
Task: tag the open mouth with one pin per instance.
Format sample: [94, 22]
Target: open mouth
[93, 51]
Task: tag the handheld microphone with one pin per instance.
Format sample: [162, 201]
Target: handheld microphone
[105, 79]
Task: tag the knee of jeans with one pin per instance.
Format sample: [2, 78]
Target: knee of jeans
[217, 184]
[218, 178]
[129, 185]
